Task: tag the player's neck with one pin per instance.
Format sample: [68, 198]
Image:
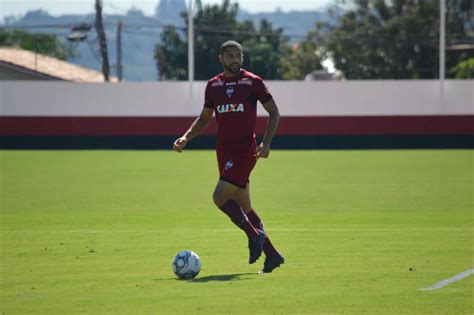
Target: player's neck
[231, 75]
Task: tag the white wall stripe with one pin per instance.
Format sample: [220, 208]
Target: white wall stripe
[179, 99]
[445, 282]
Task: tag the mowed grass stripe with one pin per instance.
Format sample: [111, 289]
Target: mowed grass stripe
[95, 232]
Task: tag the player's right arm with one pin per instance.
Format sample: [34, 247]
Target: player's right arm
[197, 127]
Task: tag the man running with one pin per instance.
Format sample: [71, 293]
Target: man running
[232, 96]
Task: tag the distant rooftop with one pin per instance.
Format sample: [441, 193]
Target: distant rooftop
[323, 75]
[53, 68]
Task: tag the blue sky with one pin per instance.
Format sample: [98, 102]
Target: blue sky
[58, 7]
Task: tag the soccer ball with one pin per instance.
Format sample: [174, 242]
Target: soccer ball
[186, 264]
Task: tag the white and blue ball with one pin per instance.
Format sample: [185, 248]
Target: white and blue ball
[186, 264]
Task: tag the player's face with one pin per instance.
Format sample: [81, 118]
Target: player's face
[232, 59]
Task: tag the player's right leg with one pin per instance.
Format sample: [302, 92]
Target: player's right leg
[223, 199]
[223, 193]
[273, 258]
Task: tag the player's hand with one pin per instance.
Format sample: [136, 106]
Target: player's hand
[263, 151]
[179, 144]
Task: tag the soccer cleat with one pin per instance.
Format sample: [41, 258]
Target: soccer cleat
[256, 247]
[271, 263]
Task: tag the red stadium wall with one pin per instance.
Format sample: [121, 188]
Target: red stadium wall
[289, 126]
[150, 116]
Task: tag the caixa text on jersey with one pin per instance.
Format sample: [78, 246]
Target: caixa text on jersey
[226, 108]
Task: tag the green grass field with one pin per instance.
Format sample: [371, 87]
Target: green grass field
[95, 232]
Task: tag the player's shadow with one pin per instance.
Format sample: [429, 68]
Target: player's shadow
[230, 277]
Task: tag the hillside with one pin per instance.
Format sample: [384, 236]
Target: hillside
[141, 33]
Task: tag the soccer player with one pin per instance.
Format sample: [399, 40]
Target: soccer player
[232, 96]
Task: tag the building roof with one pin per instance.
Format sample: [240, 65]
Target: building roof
[25, 60]
[323, 75]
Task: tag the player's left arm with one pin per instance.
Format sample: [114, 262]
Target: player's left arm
[263, 150]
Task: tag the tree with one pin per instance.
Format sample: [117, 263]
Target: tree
[45, 44]
[302, 58]
[213, 25]
[266, 52]
[464, 69]
[171, 56]
[397, 39]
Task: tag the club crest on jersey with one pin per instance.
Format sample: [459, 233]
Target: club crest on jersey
[229, 164]
[229, 91]
[227, 108]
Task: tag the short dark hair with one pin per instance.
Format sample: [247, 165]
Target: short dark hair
[230, 43]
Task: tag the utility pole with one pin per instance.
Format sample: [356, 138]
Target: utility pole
[119, 51]
[442, 39]
[442, 50]
[99, 25]
[190, 42]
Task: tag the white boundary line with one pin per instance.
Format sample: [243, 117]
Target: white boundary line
[445, 282]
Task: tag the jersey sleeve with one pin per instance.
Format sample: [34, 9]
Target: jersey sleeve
[207, 96]
[261, 91]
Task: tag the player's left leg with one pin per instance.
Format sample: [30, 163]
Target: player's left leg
[273, 257]
[223, 199]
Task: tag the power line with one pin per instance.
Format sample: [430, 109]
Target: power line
[68, 26]
[227, 31]
[93, 51]
[131, 40]
[232, 31]
[209, 29]
[117, 10]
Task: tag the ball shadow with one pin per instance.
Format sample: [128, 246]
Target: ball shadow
[229, 277]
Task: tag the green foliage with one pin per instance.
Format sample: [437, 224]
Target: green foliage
[301, 59]
[373, 39]
[380, 39]
[266, 51]
[464, 69]
[45, 44]
[213, 25]
[172, 56]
